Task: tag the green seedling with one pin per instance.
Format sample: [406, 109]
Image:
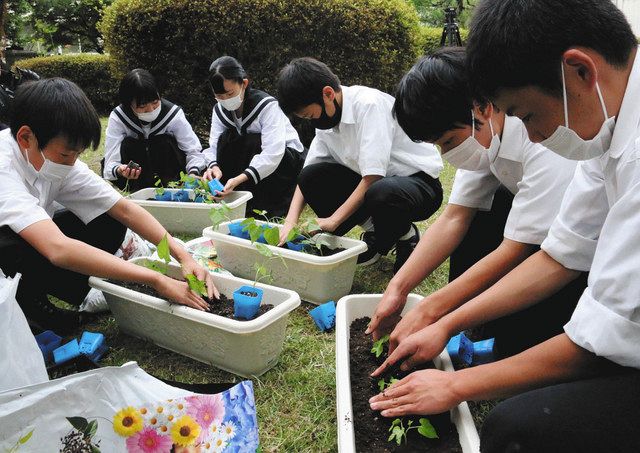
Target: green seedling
[159, 187]
[196, 285]
[399, 432]
[164, 254]
[382, 384]
[219, 214]
[378, 346]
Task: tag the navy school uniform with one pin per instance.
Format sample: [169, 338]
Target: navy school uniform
[163, 148]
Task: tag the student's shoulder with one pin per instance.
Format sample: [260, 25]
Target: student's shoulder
[363, 95]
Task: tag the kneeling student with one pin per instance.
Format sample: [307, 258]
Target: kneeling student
[150, 131]
[253, 145]
[52, 123]
[493, 155]
[361, 167]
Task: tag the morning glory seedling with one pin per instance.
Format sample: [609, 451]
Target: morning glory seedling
[399, 432]
[196, 285]
[378, 346]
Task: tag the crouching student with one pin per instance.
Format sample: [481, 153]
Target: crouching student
[151, 132]
[52, 123]
[252, 144]
[573, 75]
[496, 163]
[362, 169]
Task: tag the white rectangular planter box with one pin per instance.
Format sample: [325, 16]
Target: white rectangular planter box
[246, 348]
[188, 218]
[317, 279]
[349, 309]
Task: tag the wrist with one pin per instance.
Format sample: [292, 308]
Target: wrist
[398, 286]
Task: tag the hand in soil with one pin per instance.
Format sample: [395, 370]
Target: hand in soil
[387, 315]
[418, 347]
[423, 392]
[189, 266]
[178, 291]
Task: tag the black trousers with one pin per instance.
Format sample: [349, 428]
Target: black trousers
[393, 202]
[159, 156]
[39, 276]
[597, 415]
[273, 193]
[522, 330]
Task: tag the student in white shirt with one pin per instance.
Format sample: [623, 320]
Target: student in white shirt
[361, 167]
[150, 131]
[571, 72]
[490, 150]
[252, 144]
[52, 123]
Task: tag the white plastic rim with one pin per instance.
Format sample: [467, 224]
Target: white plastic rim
[350, 308]
[220, 322]
[353, 247]
[233, 200]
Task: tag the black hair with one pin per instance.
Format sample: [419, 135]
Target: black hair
[139, 86]
[434, 96]
[519, 43]
[300, 84]
[225, 68]
[56, 108]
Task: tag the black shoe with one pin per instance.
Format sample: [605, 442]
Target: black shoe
[404, 249]
[43, 315]
[371, 255]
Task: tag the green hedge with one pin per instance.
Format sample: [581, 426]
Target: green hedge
[430, 38]
[369, 42]
[92, 72]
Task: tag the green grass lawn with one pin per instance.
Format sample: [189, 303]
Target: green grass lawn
[296, 399]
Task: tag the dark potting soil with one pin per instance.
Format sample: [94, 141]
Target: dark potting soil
[220, 307]
[372, 429]
[324, 250]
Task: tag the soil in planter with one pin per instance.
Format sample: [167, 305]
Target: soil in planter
[324, 250]
[371, 428]
[220, 307]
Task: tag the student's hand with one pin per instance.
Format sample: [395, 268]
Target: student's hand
[211, 173]
[423, 392]
[387, 314]
[284, 231]
[129, 173]
[179, 292]
[327, 224]
[189, 266]
[418, 347]
[232, 184]
[415, 320]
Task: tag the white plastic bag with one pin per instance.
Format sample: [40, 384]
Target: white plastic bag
[21, 361]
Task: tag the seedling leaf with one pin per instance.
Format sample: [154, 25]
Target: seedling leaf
[265, 251]
[272, 236]
[163, 249]
[378, 346]
[24, 439]
[196, 285]
[79, 423]
[382, 384]
[426, 429]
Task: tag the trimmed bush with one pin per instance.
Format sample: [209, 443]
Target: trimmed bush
[368, 42]
[430, 38]
[92, 73]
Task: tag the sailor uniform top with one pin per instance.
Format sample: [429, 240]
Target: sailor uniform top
[262, 115]
[369, 140]
[172, 121]
[536, 176]
[27, 198]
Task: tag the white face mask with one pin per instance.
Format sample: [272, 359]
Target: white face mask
[233, 103]
[470, 154]
[50, 171]
[569, 145]
[149, 117]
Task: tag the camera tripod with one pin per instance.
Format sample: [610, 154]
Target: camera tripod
[451, 32]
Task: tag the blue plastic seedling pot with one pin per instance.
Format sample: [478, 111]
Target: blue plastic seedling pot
[238, 230]
[460, 349]
[166, 196]
[246, 306]
[483, 351]
[47, 342]
[214, 185]
[191, 185]
[324, 315]
[296, 244]
[181, 195]
[199, 199]
[66, 352]
[93, 345]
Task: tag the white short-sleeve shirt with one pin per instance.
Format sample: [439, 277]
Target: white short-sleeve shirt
[536, 176]
[27, 198]
[598, 229]
[369, 141]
